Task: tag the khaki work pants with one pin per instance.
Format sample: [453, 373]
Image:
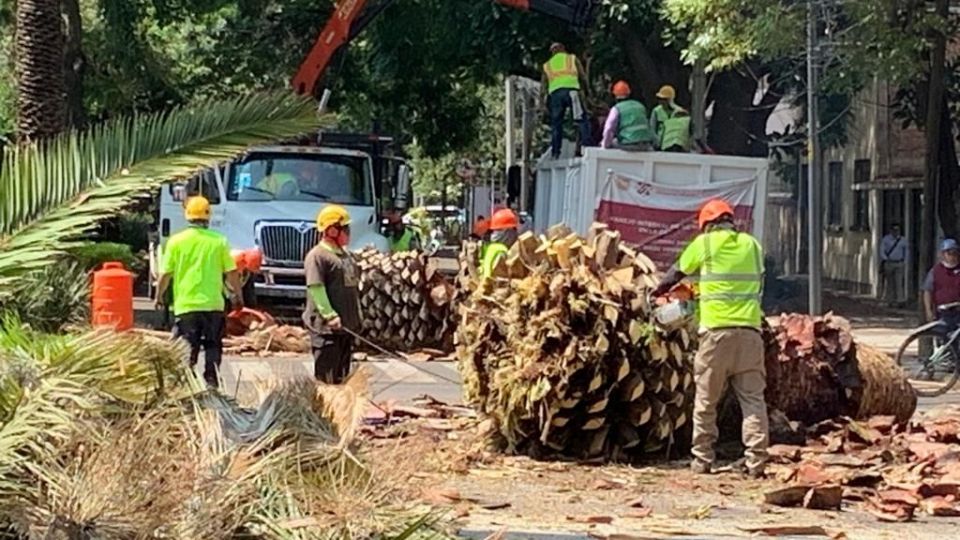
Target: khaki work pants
[733, 355]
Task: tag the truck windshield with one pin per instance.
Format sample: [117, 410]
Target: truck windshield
[306, 178]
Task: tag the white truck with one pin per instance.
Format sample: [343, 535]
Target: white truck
[651, 197]
[270, 197]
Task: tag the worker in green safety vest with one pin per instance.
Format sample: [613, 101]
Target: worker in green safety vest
[729, 264]
[504, 230]
[627, 126]
[399, 235]
[562, 77]
[670, 123]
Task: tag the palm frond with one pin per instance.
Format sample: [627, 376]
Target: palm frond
[52, 193]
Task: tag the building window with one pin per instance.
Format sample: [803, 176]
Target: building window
[861, 197]
[835, 194]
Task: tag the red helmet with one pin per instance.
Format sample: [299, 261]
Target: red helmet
[621, 89]
[504, 219]
[712, 211]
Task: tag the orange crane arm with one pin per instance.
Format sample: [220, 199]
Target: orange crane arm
[350, 17]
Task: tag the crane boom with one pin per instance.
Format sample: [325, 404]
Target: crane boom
[350, 17]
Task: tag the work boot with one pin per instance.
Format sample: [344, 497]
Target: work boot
[699, 467]
[757, 472]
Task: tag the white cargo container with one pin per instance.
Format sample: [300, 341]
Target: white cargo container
[569, 190]
[666, 189]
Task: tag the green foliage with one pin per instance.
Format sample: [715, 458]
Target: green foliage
[860, 40]
[92, 255]
[51, 298]
[53, 193]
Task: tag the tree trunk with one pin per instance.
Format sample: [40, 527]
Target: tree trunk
[74, 64]
[949, 181]
[738, 126]
[934, 114]
[38, 50]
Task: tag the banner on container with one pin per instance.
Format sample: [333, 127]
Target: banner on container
[661, 219]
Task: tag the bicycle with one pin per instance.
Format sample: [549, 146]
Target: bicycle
[934, 373]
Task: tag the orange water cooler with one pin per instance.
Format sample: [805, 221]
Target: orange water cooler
[113, 297]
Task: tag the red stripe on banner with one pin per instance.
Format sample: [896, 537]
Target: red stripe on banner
[660, 233]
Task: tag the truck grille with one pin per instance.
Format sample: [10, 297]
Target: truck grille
[287, 245]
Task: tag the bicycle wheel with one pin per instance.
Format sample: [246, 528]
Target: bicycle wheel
[931, 367]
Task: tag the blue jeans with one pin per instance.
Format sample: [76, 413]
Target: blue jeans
[558, 102]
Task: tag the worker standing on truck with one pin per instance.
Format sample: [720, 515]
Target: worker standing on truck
[562, 76]
[333, 297]
[197, 260]
[400, 236]
[670, 123]
[504, 230]
[730, 268]
[627, 126]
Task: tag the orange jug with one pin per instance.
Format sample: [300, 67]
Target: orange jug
[113, 297]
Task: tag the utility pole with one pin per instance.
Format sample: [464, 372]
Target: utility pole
[814, 187]
[933, 131]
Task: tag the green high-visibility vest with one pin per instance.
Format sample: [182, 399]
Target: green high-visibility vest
[730, 267]
[672, 129]
[491, 254]
[676, 132]
[634, 126]
[403, 243]
[561, 72]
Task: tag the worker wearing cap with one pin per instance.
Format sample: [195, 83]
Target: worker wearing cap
[627, 126]
[729, 264]
[504, 230]
[562, 77]
[670, 123]
[399, 235]
[196, 261]
[333, 297]
[942, 285]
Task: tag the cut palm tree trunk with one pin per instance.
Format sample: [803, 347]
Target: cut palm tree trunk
[560, 352]
[404, 303]
[815, 371]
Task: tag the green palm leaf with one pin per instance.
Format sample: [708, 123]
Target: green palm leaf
[52, 193]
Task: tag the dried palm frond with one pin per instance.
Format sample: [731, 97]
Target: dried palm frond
[111, 480]
[122, 366]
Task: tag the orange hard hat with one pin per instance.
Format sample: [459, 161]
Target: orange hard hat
[621, 89]
[481, 227]
[712, 211]
[504, 219]
[248, 260]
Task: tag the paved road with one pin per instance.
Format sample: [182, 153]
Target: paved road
[392, 379]
[396, 380]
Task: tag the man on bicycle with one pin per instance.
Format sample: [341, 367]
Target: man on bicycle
[942, 285]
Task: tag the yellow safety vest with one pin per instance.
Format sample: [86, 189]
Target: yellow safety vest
[730, 265]
[561, 72]
[491, 254]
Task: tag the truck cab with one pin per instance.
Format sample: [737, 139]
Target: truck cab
[269, 199]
